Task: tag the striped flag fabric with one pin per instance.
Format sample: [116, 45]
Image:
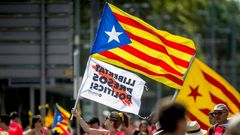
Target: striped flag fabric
[129, 42]
[60, 123]
[203, 88]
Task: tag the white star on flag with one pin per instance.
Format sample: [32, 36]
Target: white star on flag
[58, 118]
[113, 35]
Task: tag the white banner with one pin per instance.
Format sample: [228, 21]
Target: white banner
[112, 86]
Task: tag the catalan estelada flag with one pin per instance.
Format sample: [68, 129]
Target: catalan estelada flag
[203, 88]
[61, 116]
[129, 42]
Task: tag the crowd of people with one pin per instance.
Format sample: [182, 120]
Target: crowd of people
[169, 118]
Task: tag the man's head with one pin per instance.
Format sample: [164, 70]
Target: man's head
[94, 123]
[171, 116]
[220, 113]
[14, 116]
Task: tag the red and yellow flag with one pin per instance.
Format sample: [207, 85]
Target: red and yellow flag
[203, 88]
[61, 117]
[129, 42]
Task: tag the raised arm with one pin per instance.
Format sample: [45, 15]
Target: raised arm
[86, 127]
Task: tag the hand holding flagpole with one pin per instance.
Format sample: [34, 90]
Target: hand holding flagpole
[75, 107]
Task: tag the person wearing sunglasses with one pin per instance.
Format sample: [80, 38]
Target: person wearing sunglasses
[113, 123]
[220, 114]
[211, 118]
[36, 127]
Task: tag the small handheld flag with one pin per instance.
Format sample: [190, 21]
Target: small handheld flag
[61, 116]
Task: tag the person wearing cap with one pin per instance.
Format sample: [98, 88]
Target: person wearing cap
[220, 114]
[193, 128]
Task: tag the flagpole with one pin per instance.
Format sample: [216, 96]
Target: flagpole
[77, 99]
[184, 77]
[175, 94]
[78, 96]
[83, 81]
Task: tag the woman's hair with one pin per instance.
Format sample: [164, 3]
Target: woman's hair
[35, 119]
[118, 119]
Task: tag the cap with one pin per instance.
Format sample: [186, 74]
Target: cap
[220, 107]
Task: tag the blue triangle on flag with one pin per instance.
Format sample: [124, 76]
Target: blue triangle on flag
[110, 33]
[57, 117]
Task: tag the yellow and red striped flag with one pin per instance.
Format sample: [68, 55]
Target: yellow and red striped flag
[129, 42]
[203, 88]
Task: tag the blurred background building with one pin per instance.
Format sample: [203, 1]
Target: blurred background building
[45, 44]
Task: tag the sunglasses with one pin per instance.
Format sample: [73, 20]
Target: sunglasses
[217, 113]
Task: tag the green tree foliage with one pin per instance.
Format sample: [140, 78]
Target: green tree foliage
[199, 18]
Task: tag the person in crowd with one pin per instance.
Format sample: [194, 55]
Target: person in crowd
[36, 127]
[15, 123]
[143, 128]
[113, 124]
[234, 125]
[171, 117]
[220, 114]
[94, 123]
[4, 125]
[193, 128]
[131, 127]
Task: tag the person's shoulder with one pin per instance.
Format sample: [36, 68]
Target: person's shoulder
[12, 123]
[28, 132]
[224, 125]
[11, 131]
[15, 126]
